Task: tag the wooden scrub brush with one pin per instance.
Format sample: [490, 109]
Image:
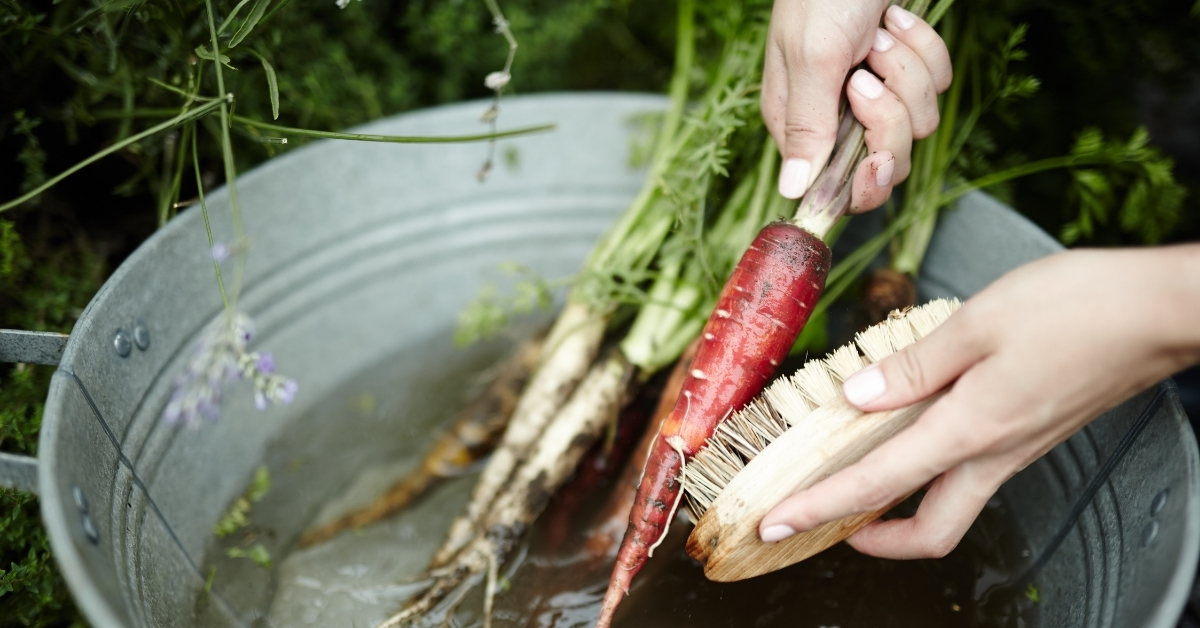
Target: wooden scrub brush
[798, 431]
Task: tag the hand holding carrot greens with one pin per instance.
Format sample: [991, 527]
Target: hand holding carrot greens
[1028, 362]
[811, 48]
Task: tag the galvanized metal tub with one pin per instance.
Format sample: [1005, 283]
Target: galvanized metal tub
[363, 251]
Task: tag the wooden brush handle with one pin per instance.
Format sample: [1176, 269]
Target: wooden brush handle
[832, 438]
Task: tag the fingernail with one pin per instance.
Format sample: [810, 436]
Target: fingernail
[866, 84]
[883, 41]
[883, 174]
[902, 18]
[865, 386]
[777, 533]
[793, 179]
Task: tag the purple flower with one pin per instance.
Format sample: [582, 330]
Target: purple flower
[220, 357]
[287, 392]
[220, 252]
[265, 363]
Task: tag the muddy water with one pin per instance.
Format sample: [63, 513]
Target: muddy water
[370, 433]
[836, 588]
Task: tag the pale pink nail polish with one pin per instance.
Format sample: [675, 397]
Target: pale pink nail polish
[866, 84]
[883, 174]
[865, 386]
[883, 41]
[901, 18]
[777, 533]
[793, 179]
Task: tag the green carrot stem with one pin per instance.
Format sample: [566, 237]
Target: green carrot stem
[1021, 170]
[678, 304]
[685, 52]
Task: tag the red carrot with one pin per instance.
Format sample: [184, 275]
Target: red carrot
[758, 315]
[615, 514]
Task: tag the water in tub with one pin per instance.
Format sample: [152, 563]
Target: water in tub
[357, 442]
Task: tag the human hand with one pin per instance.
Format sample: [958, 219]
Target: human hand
[811, 47]
[1027, 362]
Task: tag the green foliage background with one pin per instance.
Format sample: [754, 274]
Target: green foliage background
[75, 76]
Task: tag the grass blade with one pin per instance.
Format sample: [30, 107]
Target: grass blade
[256, 13]
[177, 120]
[229, 18]
[272, 83]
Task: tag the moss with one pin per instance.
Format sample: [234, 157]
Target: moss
[32, 593]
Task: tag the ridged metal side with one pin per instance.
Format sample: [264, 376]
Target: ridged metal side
[363, 251]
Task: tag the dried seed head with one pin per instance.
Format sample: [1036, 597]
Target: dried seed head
[496, 81]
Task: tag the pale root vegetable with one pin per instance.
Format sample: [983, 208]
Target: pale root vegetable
[595, 402]
[569, 350]
[472, 436]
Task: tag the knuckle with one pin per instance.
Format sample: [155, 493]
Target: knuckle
[826, 54]
[912, 373]
[872, 494]
[925, 125]
[895, 115]
[937, 545]
[804, 130]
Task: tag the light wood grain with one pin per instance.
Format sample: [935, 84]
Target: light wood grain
[833, 437]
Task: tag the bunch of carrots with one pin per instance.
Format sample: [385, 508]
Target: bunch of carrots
[708, 269]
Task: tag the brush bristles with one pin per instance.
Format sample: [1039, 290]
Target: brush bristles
[789, 400]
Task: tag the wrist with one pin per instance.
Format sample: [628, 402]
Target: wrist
[1177, 306]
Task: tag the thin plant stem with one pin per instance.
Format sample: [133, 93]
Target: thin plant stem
[278, 6]
[235, 207]
[939, 10]
[493, 113]
[182, 118]
[172, 88]
[171, 195]
[1033, 167]
[396, 139]
[208, 228]
[502, 27]
[87, 15]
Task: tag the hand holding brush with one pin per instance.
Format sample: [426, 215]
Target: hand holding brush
[1024, 365]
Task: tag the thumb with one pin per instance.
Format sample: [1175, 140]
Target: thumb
[811, 117]
[916, 371]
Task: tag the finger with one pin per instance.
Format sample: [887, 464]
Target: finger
[773, 98]
[885, 119]
[883, 477]
[949, 507]
[873, 182]
[923, 368]
[814, 87]
[905, 74]
[923, 40]
[888, 134]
